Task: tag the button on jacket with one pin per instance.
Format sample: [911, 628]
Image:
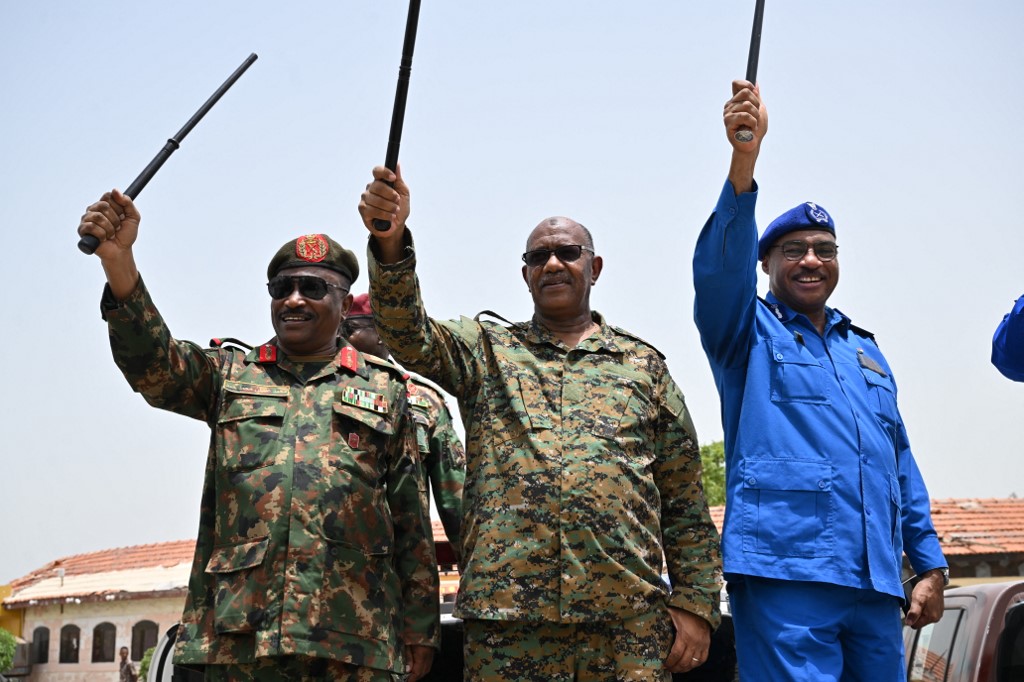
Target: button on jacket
[312, 537]
[582, 466]
[820, 480]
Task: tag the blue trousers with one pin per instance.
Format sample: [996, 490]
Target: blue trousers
[808, 631]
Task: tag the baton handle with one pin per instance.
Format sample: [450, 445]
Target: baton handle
[401, 96]
[88, 244]
[745, 134]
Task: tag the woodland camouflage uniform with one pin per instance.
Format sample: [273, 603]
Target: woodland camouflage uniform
[312, 540]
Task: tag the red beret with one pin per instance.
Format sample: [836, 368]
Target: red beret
[360, 306]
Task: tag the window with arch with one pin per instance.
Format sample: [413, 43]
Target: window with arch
[41, 645]
[144, 636]
[69, 638]
[104, 639]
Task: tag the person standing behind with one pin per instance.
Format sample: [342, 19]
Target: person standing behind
[1008, 343]
[126, 671]
[823, 495]
[444, 459]
[314, 559]
[582, 469]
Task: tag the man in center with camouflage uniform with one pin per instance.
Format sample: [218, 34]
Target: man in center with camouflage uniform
[582, 469]
[314, 559]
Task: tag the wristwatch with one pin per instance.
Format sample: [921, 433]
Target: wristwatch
[945, 575]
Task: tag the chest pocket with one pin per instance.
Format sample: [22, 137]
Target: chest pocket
[516, 404]
[364, 434]
[881, 396]
[796, 375]
[249, 423]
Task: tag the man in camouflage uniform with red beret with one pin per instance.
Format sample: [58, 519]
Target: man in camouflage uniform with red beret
[583, 472]
[314, 559]
[441, 451]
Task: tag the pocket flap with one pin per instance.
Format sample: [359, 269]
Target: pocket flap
[786, 350]
[247, 401]
[876, 379]
[375, 420]
[787, 474]
[238, 557]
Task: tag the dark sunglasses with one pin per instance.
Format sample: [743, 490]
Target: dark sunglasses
[310, 287]
[566, 254]
[796, 249]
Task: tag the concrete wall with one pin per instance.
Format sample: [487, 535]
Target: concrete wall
[122, 614]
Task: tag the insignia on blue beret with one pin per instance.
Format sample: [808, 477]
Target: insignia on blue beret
[806, 216]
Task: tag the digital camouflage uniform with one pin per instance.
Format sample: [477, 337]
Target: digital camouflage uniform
[312, 538]
[441, 452]
[581, 466]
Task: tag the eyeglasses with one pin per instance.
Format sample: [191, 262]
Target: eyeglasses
[567, 254]
[796, 249]
[310, 287]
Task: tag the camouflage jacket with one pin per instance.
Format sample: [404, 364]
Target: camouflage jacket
[312, 538]
[583, 472]
[441, 452]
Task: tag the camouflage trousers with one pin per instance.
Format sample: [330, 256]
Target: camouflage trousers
[632, 650]
[297, 669]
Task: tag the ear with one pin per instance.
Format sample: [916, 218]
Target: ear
[346, 305]
[525, 279]
[764, 265]
[596, 265]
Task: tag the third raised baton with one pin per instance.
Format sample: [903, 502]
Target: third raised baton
[88, 243]
[746, 134]
[401, 94]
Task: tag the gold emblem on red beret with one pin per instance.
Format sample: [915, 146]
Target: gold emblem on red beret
[311, 248]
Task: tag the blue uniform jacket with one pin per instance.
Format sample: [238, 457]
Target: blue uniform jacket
[1008, 343]
[820, 481]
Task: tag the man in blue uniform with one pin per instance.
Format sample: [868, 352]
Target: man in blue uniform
[1008, 343]
[823, 494]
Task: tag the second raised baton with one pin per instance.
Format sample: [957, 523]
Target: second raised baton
[88, 243]
[746, 134]
[401, 95]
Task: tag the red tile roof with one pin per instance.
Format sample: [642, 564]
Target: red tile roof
[165, 554]
[979, 526]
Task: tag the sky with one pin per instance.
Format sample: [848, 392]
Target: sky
[901, 118]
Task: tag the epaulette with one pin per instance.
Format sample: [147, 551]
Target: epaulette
[860, 331]
[220, 342]
[423, 381]
[386, 364]
[633, 336]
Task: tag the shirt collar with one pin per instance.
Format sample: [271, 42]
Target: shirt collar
[604, 339]
[784, 314]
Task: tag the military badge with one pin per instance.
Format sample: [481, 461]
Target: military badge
[869, 363]
[368, 400]
[353, 441]
[817, 213]
[312, 248]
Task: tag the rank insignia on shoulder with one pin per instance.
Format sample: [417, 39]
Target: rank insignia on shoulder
[368, 400]
[349, 358]
[869, 363]
[268, 353]
[353, 441]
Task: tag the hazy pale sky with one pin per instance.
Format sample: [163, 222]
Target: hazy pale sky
[901, 118]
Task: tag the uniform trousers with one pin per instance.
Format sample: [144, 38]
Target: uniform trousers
[810, 632]
[631, 650]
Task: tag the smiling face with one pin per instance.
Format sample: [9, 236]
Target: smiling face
[305, 326]
[561, 291]
[803, 285]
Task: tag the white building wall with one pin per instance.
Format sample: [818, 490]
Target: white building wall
[122, 614]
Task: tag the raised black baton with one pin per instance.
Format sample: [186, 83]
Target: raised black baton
[746, 134]
[401, 95]
[88, 243]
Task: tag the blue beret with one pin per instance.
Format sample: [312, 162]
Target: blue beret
[807, 216]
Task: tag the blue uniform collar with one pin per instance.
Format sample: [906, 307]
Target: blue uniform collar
[784, 314]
